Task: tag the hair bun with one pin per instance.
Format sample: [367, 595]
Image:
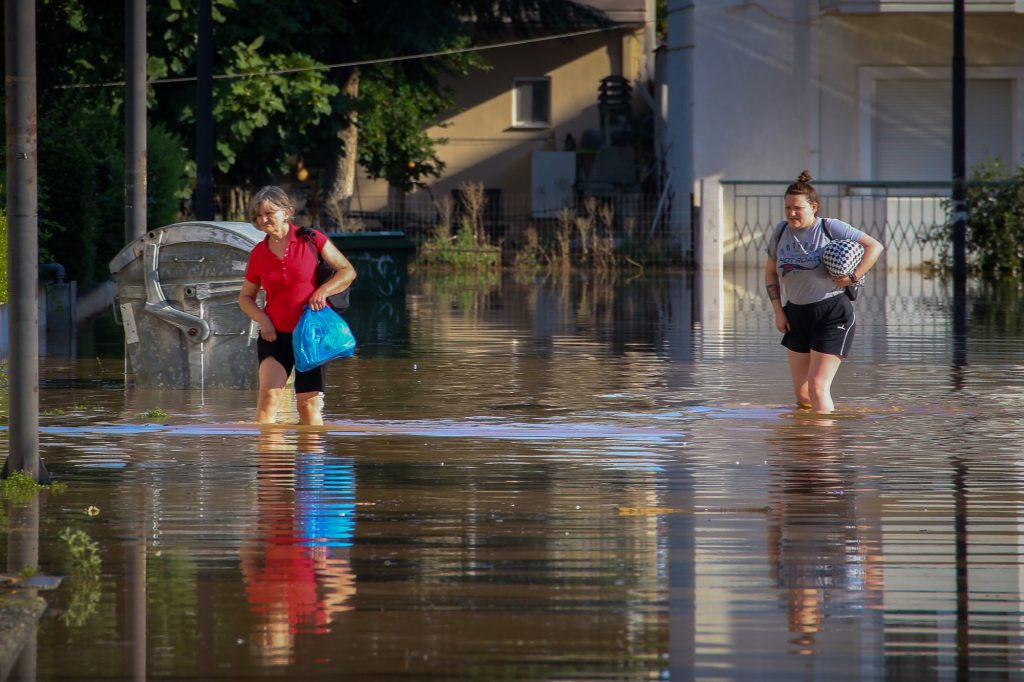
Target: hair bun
[804, 177]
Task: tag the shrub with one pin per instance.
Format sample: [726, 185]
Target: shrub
[3, 255]
[995, 224]
[167, 181]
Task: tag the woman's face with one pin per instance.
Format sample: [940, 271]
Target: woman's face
[272, 219]
[799, 211]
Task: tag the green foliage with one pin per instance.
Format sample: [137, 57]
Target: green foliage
[995, 224]
[78, 187]
[155, 413]
[19, 487]
[3, 266]
[459, 253]
[84, 565]
[167, 181]
[468, 250]
[394, 116]
[290, 105]
[83, 551]
[264, 119]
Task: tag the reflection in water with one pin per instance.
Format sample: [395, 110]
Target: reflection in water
[500, 439]
[824, 562]
[297, 570]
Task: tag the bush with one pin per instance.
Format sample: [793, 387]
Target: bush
[167, 182]
[3, 255]
[81, 185]
[995, 224]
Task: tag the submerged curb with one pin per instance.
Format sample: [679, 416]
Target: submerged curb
[19, 615]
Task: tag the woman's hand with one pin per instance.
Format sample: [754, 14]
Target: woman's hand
[781, 323]
[318, 301]
[268, 333]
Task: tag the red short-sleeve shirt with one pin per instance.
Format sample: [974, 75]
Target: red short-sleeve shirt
[287, 281]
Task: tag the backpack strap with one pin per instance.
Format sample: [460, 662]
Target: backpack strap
[778, 237]
[824, 227]
[309, 237]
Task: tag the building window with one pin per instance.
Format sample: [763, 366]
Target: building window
[914, 127]
[906, 120]
[531, 102]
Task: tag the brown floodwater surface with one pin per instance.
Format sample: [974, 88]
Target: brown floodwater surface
[536, 481]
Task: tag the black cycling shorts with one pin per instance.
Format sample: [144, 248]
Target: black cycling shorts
[826, 326]
[281, 350]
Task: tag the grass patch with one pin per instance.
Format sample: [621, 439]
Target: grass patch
[19, 487]
[155, 414]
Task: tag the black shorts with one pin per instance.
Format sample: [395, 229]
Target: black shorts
[281, 350]
[826, 326]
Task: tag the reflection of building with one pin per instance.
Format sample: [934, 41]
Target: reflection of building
[297, 570]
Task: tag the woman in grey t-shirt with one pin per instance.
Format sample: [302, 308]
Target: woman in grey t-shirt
[818, 320]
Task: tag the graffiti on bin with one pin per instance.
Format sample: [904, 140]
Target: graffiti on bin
[378, 274]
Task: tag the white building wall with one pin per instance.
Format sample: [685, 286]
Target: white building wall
[776, 83]
[754, 94]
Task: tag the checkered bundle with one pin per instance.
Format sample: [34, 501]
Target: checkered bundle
[841, 256]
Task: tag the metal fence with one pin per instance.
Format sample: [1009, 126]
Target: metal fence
[639, 227]
[902, 215]
[905, 216]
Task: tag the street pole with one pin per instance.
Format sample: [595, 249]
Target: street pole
[23, 240]
[204, 113]
[135, 120]
[959, 187]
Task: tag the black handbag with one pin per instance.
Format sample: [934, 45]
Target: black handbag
[324, 272]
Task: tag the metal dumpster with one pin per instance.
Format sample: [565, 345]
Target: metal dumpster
[177, 289]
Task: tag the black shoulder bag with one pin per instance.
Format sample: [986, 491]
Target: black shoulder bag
[324, 271]
[853, 289]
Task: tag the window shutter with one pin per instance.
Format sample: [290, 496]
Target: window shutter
[913, 126]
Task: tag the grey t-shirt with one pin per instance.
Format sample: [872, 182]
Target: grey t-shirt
[798, 260]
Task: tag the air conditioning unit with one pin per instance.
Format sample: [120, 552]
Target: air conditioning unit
[552, 183]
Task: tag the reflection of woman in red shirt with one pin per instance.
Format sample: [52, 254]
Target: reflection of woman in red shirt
[283, 264]
[296, 582]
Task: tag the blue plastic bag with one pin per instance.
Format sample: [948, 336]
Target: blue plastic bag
[321, 335]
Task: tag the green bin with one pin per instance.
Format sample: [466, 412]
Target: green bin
[381, 260]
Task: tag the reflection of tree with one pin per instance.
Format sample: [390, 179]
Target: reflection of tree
[821, 557]
[297, 571]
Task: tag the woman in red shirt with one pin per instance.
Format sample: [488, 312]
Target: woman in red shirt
[283, 265]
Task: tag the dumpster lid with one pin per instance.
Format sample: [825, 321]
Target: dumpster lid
[241, 235]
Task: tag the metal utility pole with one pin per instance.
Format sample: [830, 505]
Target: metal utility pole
[204, 113]
[23, 240]
[959, 186]
[135, 120]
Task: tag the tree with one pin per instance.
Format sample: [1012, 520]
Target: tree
[335, 83]
[366, 82]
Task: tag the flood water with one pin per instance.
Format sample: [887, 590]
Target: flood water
[568, 480]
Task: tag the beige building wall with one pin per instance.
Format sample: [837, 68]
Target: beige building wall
[484, 146]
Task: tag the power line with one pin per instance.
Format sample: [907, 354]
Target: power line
[344, 65]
